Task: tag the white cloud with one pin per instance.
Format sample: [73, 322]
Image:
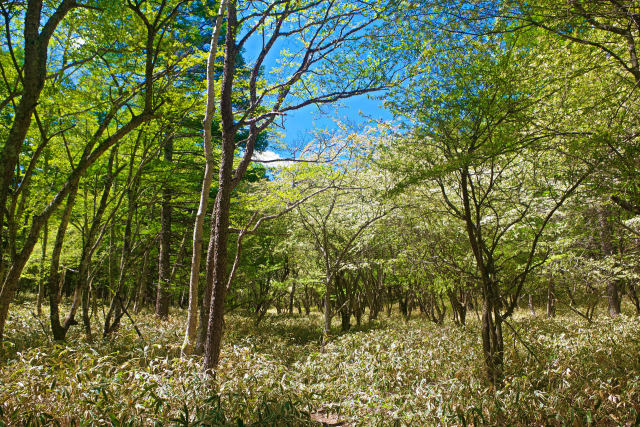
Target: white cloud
[270, 159]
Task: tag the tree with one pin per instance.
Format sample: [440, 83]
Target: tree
[192, 319]
[476, 145]
[325, 32]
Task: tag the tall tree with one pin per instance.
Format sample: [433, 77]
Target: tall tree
[323, 33]
[477, 143]
[207, 123]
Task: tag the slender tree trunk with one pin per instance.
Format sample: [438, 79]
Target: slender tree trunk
[115, 312]
[633, 296]
[45, 238]
[205, 308]
[217, 258]
[54, 280]
[61, 282]
[532, 308]
[192, 316]
[327, 314]
[551, 298]
[82, 290]
[492, 342]
[307, 300]
[86, 318]
[326, 330]
[491, 329]
[75, 304]
[345, 317]
[613, 297]
[164, 257]
[458, 308]
[613, 294]
[142, 284]
[291, 297]
[217, 253]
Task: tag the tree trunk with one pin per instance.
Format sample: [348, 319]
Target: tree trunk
[53, 282]
[492, 342]
[402, 303]
[613, 295]
[459, 309]
[164, 257]
[142, 284]
[345, 316]
[205, 308]
[115, 312]
[551, 298]
[191, 332]
[45, 238]
[86, 319]
[633, 296]
[217, 258]
[291, 297]
[327, 313]
[217, 253]
[307, 300]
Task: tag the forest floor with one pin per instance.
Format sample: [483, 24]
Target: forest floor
[563, 371]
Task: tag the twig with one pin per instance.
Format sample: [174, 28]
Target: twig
[124, 309]
[44, 328]
[575, 310]
[523, 342]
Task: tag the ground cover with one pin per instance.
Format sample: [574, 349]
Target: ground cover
[562, 371]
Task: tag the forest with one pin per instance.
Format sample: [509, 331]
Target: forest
[197, 227]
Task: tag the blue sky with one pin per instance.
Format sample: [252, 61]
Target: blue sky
[300, 125]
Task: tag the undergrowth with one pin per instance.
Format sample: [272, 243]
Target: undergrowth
[558, 372]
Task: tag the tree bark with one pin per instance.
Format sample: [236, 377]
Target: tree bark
[291, 297]
[217, 253]
[45, 239]
[491, 329]
[192, 316]
[492, 342]
[217, 258]
[115, 312]
[142, 284]
[551, 297]
[327, 312]
[91, 241]
[458, 308]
